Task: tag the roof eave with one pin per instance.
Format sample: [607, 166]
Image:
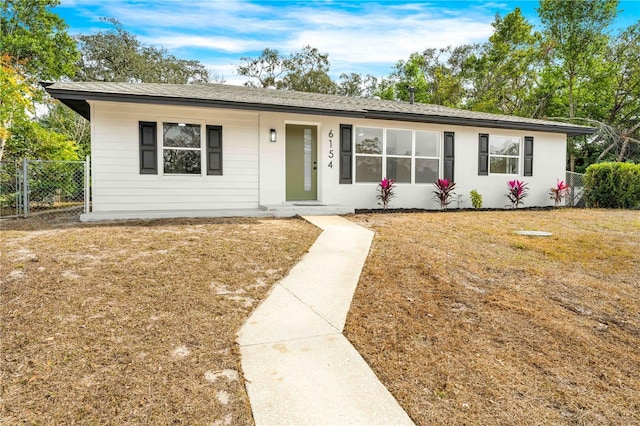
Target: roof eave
[78, 102]
[73, 99]
[477, 122]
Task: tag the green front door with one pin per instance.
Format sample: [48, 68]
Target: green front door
[301, 162]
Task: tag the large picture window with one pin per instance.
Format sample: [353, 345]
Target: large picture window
[182, 148]
[406, 156]
[504, 155]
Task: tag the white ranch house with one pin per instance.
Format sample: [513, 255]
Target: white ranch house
[160, 150]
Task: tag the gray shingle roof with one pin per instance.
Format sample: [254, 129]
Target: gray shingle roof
[240, 97]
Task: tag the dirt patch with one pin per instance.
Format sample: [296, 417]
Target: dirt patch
[467, 322]
[134, 322]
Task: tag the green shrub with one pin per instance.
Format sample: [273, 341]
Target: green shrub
[476, 199]
[613, 185]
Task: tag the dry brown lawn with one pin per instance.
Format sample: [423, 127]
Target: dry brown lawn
[134, 322]
[468, 323]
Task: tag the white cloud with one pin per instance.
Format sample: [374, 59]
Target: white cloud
[381, 34]
[227, 72]
[225, 44]
[364, 37]
[385, 34]
[235, 16]
[391, 45]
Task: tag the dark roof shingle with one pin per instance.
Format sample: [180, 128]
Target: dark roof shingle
[76, 94]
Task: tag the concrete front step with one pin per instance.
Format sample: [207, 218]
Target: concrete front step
[281, 210]
[307, 208]
[172, 214]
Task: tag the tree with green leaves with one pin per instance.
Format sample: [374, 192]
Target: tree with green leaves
[20, 135]
[267, 69]
[64, 120]
[355, 85]
[616, 109]
[306, 70]
[575, 35]
[35, 46]
[624, 111]
[16, 100]
[437, 76]
[504, 74]
[35, 37]
[117, 55]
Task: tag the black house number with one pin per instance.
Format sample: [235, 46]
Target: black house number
[330, 165]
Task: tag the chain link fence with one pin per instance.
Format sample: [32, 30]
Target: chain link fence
[37, 188]
[575, 181]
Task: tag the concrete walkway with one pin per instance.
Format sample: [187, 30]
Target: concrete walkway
[300, 369]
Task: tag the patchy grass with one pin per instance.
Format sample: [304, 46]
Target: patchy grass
[468, 323]
[134, 322]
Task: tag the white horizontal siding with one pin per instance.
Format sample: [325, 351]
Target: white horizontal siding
[119, 186]
[247, 183]
[137, 205]
[232, 164]
[175, 193]
[206, 199]
[548, 165]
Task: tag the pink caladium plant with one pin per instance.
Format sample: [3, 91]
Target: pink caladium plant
[559, 192]
[517, 191]
[444, 192]
[385, 192]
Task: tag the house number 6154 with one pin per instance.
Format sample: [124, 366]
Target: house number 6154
[330, 165]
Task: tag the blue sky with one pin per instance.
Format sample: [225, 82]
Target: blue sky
[366, 37]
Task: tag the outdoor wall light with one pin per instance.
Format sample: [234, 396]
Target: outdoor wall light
[273, 136]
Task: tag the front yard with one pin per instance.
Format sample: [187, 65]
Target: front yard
[134, 323]
[463, 320]
[468, 323]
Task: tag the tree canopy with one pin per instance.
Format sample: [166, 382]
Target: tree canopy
[306, 70]
[504, 72]
[34, 46]
[36, 38]
[571, 67]
[117, 55]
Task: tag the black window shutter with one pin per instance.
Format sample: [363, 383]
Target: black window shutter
[214, 150]
[148, 148]
[346, 153]
[483, 154]
[449, 155]
[528, 155]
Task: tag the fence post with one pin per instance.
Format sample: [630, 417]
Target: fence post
[25, 187]
[87, 181]
[18, 179]
[572, 189]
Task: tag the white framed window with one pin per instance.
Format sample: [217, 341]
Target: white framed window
[427, 156]
[368, 154]
[406, 156]
[399, 150]
[182, 148]
[504, 155]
